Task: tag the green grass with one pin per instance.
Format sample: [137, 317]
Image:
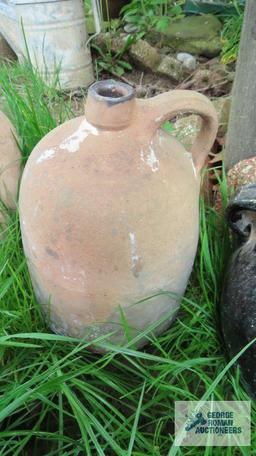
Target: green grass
[34, 108]
[231, 35]
[58, 398]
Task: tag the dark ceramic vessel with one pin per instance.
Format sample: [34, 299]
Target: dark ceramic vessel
[238, 306]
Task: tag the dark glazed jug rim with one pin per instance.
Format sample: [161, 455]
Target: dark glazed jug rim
[111, 92]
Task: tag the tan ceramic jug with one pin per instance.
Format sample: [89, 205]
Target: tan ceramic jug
[10, 160]
[109, 212]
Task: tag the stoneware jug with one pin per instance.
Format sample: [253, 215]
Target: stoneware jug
[109, 212]
[238, 306]
[10, 161]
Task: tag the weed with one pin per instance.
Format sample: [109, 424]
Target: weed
[231, 35]
[113, 62]
[148, 14]
[31, 103]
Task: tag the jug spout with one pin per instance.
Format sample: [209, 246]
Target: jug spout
[110, 105]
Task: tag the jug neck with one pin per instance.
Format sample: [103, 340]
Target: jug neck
[110, 105]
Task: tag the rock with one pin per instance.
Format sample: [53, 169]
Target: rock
[108, 42]
[222, 69]
[198, 35]
[216, 79]
[165, 50]
[6, 51]
[224, 116]
[202, 78]
[241, 174]
[144, 56]
[186, 129]
[131, 28]
[171, 68]
[187, 60]
[147, 57]
[200, 47]
[222, 106]
[141, 92]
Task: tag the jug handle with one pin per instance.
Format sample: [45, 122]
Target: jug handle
[165, 106]
[238, 209]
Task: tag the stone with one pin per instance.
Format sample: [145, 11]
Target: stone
[186, 129]
[131, 28]
[188, 60]
[108, 42]
[144, 55]
[222, 106]
[208, 48]
[148, 57]
[221, 69]
[202, 78]
[6, 51]
[241, 174]
[197, 35]
[171, 68]
[216, 79]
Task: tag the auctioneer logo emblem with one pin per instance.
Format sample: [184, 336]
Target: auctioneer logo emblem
[212, 423]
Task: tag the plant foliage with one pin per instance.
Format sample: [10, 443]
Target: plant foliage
[114, 62]
[31, 103]
[231, 35]
[148, 14]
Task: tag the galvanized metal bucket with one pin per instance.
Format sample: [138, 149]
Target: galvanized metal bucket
[54, 34]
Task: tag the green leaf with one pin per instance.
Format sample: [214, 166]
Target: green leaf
[125, 64]
[133, 19]
[163, 23]
[118, 70]
[168, 127]
[136, 421]
[176, 10]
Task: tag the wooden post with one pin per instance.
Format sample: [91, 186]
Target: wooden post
[241, 137]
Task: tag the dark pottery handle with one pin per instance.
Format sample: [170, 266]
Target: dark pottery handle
[244, 200]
